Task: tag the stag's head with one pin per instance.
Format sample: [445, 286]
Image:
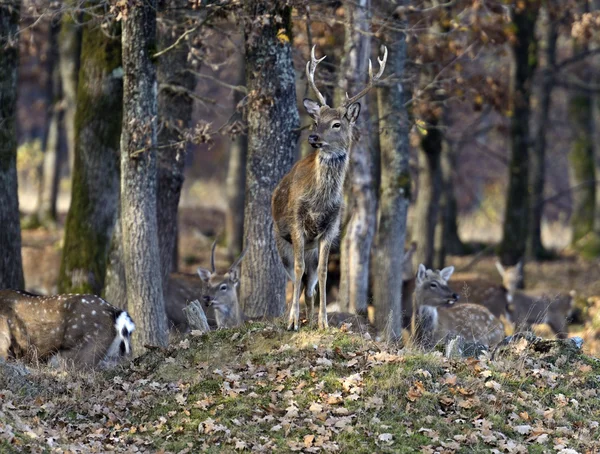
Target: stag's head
[334, 128]
[220, 289]
[511, 276]
[432, 287]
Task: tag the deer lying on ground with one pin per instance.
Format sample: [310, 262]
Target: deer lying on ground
[439, 319]
[84, 330]
[524, 309]
[307, 203]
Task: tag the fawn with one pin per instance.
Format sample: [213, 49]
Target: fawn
[438, 318]
[85, 330]
[524, 309]
[307, 203]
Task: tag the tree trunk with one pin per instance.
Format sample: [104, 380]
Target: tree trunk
[395, 186]
[175, 108]
[428, 198]
[273, 124]
[535, 248]
[236, 185]
[141, 251]
[11, 265]
[516, 217]
[355, 250]
[95, 182]
[69, 45]
[115, 288]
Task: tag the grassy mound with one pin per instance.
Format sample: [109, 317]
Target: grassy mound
[260, 388]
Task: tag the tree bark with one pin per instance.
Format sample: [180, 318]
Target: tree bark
[139, 178]
[516, 217]
[115, 288]
[355, 250]
[95, 182]
[236, 186]
[395, 185]
[11, 265]
[273, 124]
[535, 247]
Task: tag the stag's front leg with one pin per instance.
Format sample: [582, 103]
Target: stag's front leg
[324, 246]
[294, 318]
[4, 337]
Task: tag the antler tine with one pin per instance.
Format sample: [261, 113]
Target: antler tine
[372, 79]
[311, 66]
[239, 259]
[212, 257]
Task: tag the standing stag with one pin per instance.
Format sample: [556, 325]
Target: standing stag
[307, 203]
[85, 330]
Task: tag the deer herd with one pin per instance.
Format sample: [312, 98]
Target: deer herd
[87, 331]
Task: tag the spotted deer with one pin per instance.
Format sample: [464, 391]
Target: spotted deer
[439, 319]
[84, 330]
[307, 203]
[524, 309]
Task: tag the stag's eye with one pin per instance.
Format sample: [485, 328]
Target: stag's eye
[433, 285]
[336, 125]
[223, 287]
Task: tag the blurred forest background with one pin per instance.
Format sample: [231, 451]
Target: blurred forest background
[502, 132]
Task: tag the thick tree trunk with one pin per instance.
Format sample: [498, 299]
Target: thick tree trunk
[236, 186]
[355, 250]
[535, 248]
[516, 217]
[430, 189]
[175, 107]
[395, 187]
[145, 300]
[69, 43]
[95, 182]
[115, 288]
[11, 265]
[273, 123]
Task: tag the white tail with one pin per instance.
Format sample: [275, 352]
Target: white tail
[84, 330]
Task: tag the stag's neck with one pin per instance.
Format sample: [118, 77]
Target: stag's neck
[331, 171]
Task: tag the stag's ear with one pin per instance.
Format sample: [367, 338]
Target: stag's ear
[446, 273]
[352, 112]
[421, 273]
[312, 108]
[204, 274]
[234, 275]
[500, 268]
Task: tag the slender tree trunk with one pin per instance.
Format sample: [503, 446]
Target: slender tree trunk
[236, 185]
[535, 248]
[395, 186]
[175, 107]
[95, 182]
[355, 250]
[516, 218]
[69, 43]
[139, 178]
[11, 265]
[430, 189]
[273, 123]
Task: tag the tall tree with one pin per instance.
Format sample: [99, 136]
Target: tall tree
[138, 177]
[524, 50]
[273, 122]
[11, 264]
[395, 181]
[95, 182]
[361, 204]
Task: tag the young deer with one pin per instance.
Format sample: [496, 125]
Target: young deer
[82, 329]
[307, 203]
[527, 309]
[438, 318]
[220, 292]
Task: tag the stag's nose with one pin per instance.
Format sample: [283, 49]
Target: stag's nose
[456, 296]
[313, 139]
[207, 300]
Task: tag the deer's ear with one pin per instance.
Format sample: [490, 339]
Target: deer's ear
[446, 273]
[312, 108]
[234, 275]
[421, 273]
[520, 267]
[352, 112]
[204, 274]
[500, 268]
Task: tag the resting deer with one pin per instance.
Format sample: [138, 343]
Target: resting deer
[438, 318]
[220, 292]
[82, 329]
[307, 203]
[525, 309]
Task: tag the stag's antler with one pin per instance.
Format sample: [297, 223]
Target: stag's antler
[372, 79]
[310, 75]
[239, 259]
[212, 257]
